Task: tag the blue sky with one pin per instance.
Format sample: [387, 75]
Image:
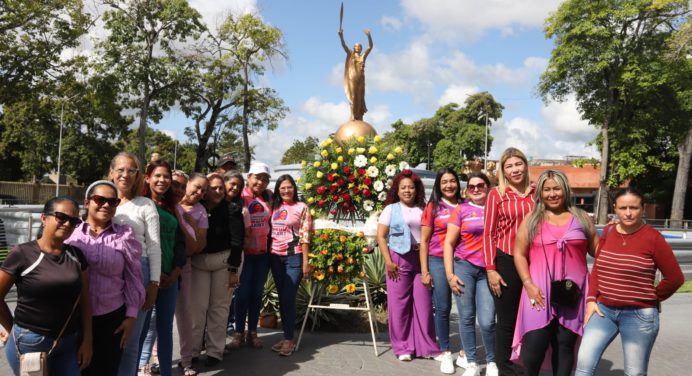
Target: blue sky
[427, 53]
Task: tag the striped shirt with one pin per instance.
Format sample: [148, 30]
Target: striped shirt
[503, 215]
[623, 274]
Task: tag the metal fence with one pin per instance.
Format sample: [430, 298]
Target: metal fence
[23, 193]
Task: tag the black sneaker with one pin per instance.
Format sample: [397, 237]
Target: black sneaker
[211, 361]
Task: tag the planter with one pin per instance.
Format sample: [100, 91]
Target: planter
[268, 320]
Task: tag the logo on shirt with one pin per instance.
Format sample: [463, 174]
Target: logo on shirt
[281, 215]
[255, 207]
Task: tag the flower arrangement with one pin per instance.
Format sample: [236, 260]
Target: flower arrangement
[350, 180]
[336, 257]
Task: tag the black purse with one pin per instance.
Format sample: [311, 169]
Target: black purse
[563, 292]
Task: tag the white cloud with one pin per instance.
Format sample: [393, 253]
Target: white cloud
[390, 23]
[469, 19]
[459, 66]
[169, 133]
[457, 94]
[565, 117]
[214, 13]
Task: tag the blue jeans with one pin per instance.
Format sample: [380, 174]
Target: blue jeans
[162, 316]
[475, 301]
[249, 293]
[62, 361]
[130, 358]
[638, 328]
[442, 300]
[287, 272]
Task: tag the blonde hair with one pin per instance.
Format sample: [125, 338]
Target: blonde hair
[138, 187]
[502, 181]
[537, 215]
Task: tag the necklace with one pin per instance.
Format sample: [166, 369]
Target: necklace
[625, 236]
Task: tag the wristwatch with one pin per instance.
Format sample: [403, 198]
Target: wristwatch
[154, 282]
[233, 269]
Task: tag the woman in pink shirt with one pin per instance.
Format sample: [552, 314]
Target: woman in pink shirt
[290, 242]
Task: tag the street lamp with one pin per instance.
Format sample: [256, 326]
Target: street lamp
[62, 111]
[485, 158]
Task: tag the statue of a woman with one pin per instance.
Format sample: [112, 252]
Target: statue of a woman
[354, 75]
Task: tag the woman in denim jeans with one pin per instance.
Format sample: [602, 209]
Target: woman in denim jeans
[50, 276]
[444, 198]
[622, 297]
[467, 277]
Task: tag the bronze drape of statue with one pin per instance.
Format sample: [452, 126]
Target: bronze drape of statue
[354, 75]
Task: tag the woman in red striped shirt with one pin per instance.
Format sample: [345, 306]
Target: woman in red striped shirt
[506, 207]
[621, 289]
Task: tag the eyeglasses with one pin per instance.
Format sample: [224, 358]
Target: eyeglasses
[472, 187]
[126, 171]
[62, 218]
[100, 200]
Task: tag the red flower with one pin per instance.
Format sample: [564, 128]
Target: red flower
[333, 211]
[320, 203]
[346, 205]
[367, 181]
[332, 188]
[352, 178]
[366, 192]
[347, 170]
[356, 190]
[330, 176]
[344, 209]
[361, 171]
[321, 189]
[346, 196]
[324, 237]
[335, 198]
[340, 182]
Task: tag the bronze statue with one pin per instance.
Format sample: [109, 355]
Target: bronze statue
[354, 73]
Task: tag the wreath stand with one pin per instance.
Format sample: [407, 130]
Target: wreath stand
[317, 291]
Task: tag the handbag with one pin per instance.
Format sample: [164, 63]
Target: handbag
[35, 363]
[564, 292]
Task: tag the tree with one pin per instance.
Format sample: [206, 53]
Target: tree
[168, 149]
[301, 151]
[139, 48]
[608, 53]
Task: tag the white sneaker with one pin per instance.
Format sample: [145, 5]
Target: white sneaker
[405, 357]
[472, 369]
[462, 362]
[491, 369]
[447, 365]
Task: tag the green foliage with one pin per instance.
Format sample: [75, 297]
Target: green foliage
[376, 275]
[159, 142]
[301, 151]
[336, 258]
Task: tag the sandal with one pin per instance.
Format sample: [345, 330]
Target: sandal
[155, 369]
[253, 340]
[277, 346]
[237, 340]
[287, 348]
[144, 371]
[189, 371]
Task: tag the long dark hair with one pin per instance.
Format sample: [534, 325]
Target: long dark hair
[628, 191]
[49, 208]
[276, 202]
[436, 195]
[393, 193]
[238, 200]
[168, 203]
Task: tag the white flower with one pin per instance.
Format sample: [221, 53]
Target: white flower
[389, 183]
[378, 185]
[382, 196]
[368, 205]
[403, 165]
[373, 171]
[360, 161]
[390, 170]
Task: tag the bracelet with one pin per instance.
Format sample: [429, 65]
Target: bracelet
[449, 278]
[426, 274]
[233, 269]
[523, 281]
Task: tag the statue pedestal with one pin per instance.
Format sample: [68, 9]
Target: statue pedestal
[353, 129]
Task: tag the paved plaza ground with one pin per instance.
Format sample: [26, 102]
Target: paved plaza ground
[352, 354]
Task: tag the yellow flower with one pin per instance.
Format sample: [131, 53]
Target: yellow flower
[311, 200]
[319, 174]
[308, 185]
[390, 156]
[312, 212]
[303, 163]
[398, 150]
[361, 139]
[351, 288]
[299, 178]
[372, 150]
[377, 138]
[324, 154]
[373, 160]
[351, 185]
[333, 289]
[334, 166]
[351, 151]
[340, 159]
[317, 164]
[318, 275]
[326, 143]
[338, 150]
[360, 150]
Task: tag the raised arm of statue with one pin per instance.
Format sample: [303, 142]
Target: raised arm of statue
[367, 51]
[343, 43]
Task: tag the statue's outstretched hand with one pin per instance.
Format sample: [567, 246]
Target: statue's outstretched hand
[366, 31]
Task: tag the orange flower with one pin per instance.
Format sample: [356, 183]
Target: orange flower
[362, 274]
[351, 261]
[351, 288]
[340, 269]
[324, 252]
[360, 234]
[330, 270]
[342, 238]
[318, 275]
[339, 257]
[325, 237]
[333, 289]
[366, 250]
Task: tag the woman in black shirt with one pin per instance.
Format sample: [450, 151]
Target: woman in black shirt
[50, 278]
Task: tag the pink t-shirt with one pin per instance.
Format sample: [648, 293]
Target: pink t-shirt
[259, 213]
[411, 218]
[439, 226]
[469, 217]
[290, 228]
[198, 213]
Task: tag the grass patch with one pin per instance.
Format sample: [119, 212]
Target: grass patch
[686, 287]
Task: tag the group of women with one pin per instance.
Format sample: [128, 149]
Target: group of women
[514, 258]
[97, 292]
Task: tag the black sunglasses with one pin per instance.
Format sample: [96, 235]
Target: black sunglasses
[100, 200]
[62, 218]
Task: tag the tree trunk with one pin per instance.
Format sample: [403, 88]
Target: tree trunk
[602, 207]
[681, 179]
[246, 104]
[142, 132]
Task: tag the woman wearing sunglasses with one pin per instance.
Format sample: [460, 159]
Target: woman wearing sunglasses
[115, 276]
[139, 213]
[52, 298]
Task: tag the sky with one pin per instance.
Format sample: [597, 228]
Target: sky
[426, 54]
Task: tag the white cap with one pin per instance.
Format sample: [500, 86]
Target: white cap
[259, 168]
